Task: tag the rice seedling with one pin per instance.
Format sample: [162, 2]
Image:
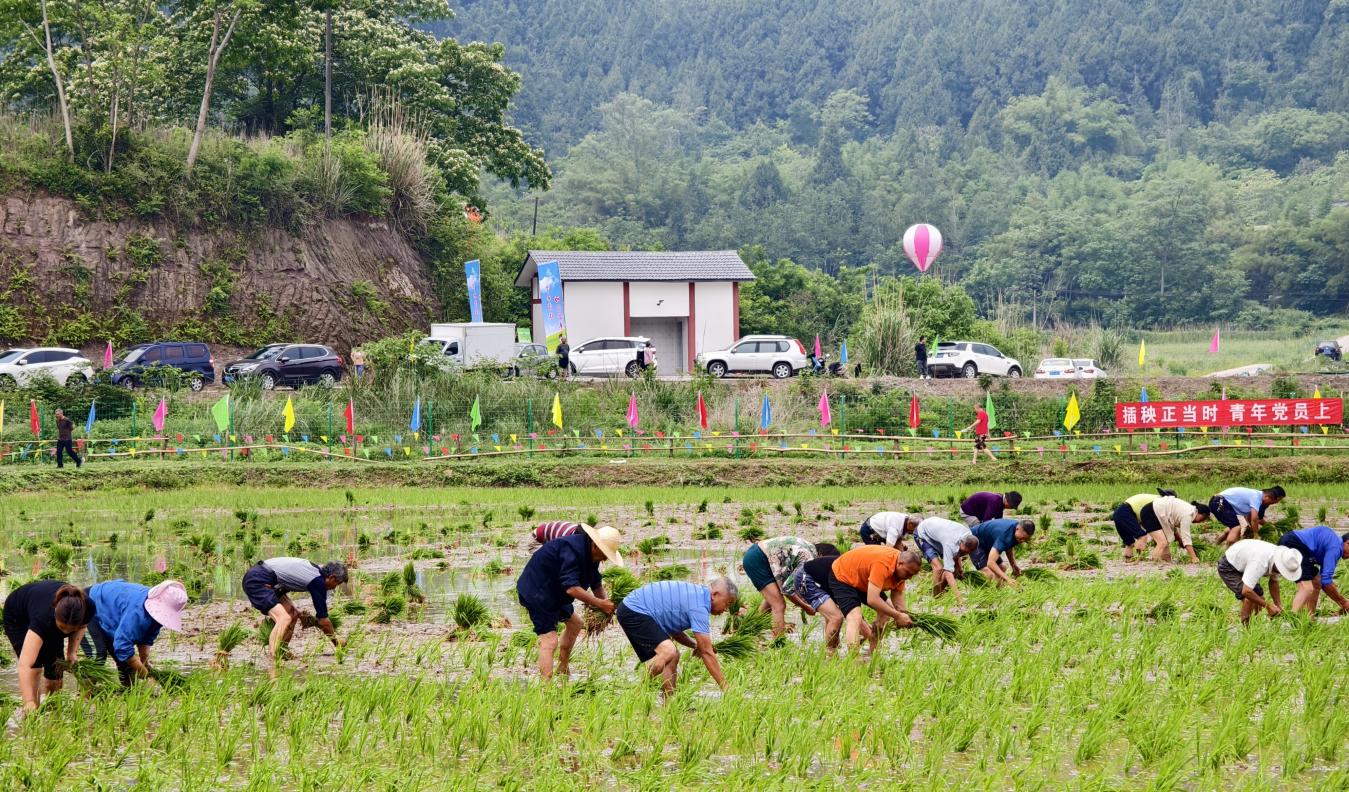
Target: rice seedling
[752, 533]
[168, 678]
[653, 545]
[739, 645]
[469, 612]
[389, 608]
[1038, 574]
[670, 572]
[91, 675]
[526, 513]
[943, 627]
[230, 638]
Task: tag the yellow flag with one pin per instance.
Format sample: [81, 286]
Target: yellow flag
[289, 414]
[1142, 352]
[1315, 395]
[557, 411]
[2, 416]
[1073, 415]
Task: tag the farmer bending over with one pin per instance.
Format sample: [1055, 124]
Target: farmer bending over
[997, 538]
[658, 615]
[771, 566]
[1245, 562]
[812, 585]
[864, 576]
[1241, 509]
[985, 506]
[556, 576]
[1320, 547]
[268, 583]
[1173, 517]
[944, 543]
[556, 529]
[129, 619]
[888, 528]
[39, 616]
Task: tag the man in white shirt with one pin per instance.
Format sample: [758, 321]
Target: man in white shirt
[943, 543]
[889, 528]
[1245, 562]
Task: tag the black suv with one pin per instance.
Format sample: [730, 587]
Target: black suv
[288, 364]
[164, 362]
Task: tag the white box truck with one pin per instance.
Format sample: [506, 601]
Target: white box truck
[475, 344]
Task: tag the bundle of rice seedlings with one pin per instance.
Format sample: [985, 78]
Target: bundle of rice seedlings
[389, 607]
[974, 580]
[1039, 574]
[671, 572]
[91, 675]
[1164, 611]
[414, 592]
[737, 645]
[469, 612]
[619, 583]
[265, 628]
[168, 678]
[749, 622]
[943, 627]
[1085, 561]
[230, 638]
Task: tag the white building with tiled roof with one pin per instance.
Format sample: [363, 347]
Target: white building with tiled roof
[684, 301]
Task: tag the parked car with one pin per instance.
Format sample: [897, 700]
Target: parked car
[613, 355]
[969, 359]
[1069, 368]
[1330, 349]
[288, 364]
[778, 355]
[163, 361]
[22, 366]
[535, 360]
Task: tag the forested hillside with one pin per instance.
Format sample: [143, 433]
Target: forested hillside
[1154, 162]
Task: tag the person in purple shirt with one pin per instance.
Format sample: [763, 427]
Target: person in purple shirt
[984, 506]
[1323, 548]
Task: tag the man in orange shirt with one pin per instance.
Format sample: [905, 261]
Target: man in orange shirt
[863, 576]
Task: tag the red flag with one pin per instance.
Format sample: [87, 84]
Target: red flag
[350, 415]
[37, 425]
[913, 412]
[702, 411]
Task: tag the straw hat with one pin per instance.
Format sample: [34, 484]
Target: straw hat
[165, 604]
[607, 539]
[1289, 563]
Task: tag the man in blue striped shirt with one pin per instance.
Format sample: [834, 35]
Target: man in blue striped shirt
[658, 615]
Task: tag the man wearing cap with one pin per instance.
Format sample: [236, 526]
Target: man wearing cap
[1245, 562]
[864, 575]
[997, 538]
[268, 583]
[1323, 548]
[1241, 509]
[771, 565]
[888, 528]
[944, 543]
[556, 529]
[128, 618]
[658, 615]
[985, 506]
[557, 574]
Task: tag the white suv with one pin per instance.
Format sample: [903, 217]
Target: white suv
[613, 355]
[22, 366]
[969, 359]
[767, 354]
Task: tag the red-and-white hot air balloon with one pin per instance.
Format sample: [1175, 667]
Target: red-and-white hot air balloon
[922, 244]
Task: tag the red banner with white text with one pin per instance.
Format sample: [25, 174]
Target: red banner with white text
[1228, 412]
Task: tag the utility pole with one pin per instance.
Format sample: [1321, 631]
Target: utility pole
[328, 73]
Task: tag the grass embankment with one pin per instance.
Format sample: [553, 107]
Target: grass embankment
[1185, 352]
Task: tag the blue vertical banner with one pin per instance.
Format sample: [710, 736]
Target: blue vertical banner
[473, 277]
[550, 303]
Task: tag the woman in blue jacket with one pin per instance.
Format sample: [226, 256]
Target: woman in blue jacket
[128, 620]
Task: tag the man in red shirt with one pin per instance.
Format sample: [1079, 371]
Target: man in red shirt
[980, 427]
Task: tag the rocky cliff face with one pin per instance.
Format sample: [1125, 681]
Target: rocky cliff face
[70, 280]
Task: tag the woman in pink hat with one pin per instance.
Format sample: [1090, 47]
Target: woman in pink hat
[128, 618]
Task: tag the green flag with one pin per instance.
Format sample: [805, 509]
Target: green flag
[220, 411]
[475, 414]
[992, 414]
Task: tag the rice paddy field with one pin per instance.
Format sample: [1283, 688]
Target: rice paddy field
[1100, 675]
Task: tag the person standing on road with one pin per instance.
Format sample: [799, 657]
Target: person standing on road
[358, 361]
[944, 543]
[658, 615]
[39, 616]
[920, 357]
[888, 528]
[1245, 562]
[129, 618]
[771, 566]
[557, 575]
[985, 506]
[563, 357]
[64, 442]
[1321, 550]
[997, 538]
[862, 576]
[1241, 510]
[649, 356]
[980, 428]
[268, 583]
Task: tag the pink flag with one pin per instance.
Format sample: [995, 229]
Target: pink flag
[817, 345]
[1213, 345]
[632, 411]
[161, 412]
[107, 355]
[825, 417]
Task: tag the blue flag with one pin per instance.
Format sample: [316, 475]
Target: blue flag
[766, 414]
[843, 353]
[1143, 397]
[416, 423]
[89, 422]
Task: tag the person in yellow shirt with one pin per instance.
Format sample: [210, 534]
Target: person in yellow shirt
[1128, 517]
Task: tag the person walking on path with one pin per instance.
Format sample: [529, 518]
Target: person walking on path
[888, 528]
[998, 538]
[980, 428]
[985, 506]
[863, 576]
[268, 584]
[39, 616]
[812, 585]
[1241, 509]
[944, 543]
[920, 357]
[657, 616]
[555, 529]
[128, 619]
[65, 443]
[557, 575]
[771, 565]
[1244, 563]
[563, 357]
[1321, 550]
